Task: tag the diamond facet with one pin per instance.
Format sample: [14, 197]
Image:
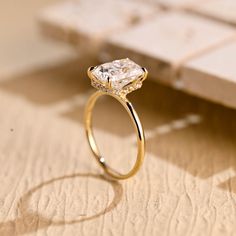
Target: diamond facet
[118, 74]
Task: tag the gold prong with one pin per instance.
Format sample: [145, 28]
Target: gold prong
[108, 83]
[144, 76]
[89, 72]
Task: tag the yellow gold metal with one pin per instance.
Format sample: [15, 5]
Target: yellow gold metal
[145, 74]
[107, 89]
[92, 142]
[108, 85]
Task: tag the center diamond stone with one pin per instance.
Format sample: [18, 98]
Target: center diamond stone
[118, 73]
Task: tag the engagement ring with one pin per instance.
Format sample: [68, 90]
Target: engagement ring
[116, 79]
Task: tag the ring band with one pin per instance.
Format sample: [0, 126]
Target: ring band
[110, 85]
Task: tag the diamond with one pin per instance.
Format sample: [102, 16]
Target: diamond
[118, 74]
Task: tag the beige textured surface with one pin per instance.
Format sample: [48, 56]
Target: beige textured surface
[50, 184]
[215, 69]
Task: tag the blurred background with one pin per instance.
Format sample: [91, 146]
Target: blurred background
[22, 47]
[187, 106]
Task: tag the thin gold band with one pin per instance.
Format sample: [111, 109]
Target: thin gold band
[138, 128]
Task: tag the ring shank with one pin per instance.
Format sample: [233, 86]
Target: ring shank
[92, 142]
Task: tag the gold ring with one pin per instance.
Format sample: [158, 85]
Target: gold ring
[117, 79]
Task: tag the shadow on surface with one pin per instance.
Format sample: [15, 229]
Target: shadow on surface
[29, 221]
[50, 85]
[203, 149]
[229, 185]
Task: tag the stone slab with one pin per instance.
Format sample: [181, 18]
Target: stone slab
[162, 46]
[213, 75]
[223, 10]
[176, 3]
[88, 22]
[162, 41]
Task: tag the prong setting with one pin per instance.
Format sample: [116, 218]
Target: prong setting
[118, 77]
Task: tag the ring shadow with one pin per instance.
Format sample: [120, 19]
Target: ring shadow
[32, 221]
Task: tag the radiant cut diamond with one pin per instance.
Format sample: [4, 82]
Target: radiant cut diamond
[118, 73]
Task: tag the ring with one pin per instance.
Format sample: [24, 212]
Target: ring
[116, 79]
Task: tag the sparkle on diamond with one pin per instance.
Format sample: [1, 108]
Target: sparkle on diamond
[118, 72]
